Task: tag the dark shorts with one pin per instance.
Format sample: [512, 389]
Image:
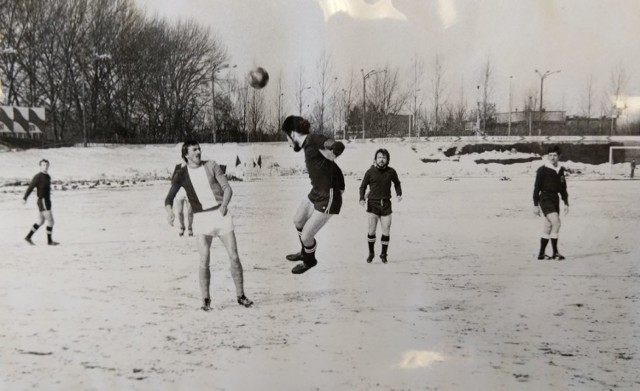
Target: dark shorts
[329, 203]
[44, 204]
[379, 207]
[549, 203]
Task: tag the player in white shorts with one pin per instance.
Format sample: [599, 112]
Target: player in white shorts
[209, 194]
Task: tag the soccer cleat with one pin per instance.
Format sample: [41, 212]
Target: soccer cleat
[544, 257]
[558, 257]
[28, 240]
[53, 243]
[370, 257]
[295, 257]
[181, 232]
[206, 305]
[190, 232]
[383, 258]
[243, 301]
[303, 267]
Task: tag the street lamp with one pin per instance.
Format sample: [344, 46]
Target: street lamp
[542, 77]
[216, 68]
[364, 95]
[509, 129]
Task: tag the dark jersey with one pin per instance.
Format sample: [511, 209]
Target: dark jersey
[551, 181]
[379, 181]
[42, 183]
[322, 171]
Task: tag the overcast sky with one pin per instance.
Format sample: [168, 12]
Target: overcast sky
[579, 37]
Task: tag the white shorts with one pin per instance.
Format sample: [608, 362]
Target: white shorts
[212, 223]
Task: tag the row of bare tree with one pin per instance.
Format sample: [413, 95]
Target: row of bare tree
[105, 70]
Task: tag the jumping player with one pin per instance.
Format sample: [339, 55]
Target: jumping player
[327, 186]
[42, 183]
[379, 178]
[180, 204]
[209, 194]
[550, 181]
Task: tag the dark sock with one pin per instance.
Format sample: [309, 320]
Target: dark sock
[33, 230]
[300, 239]
[309, 253]
[384, 239]
[372, 242]
[49, 232]
[543, 245]
[554, 244]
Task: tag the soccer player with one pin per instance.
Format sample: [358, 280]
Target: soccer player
[327, 186]
[180, 204]
[42, 183]
[550, 181]
[379, 178]
[209, 194]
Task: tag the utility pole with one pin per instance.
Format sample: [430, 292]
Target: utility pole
[364, 95]
[509, 129]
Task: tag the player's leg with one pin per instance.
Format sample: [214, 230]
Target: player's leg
[385, 223]
[554, 219]
[302, 215]
[230, 243]
[178, 206]
[204, 273]
[371, 234]
[48, 216]
[189, 216]
[544, 239]
[311, 228]
[34, 228]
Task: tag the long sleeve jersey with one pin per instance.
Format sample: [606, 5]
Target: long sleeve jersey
[379, 180]
[550, 180]
[324, 173]
[42, 183]
[217, 182]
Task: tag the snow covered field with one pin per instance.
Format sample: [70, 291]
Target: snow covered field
[462, 303]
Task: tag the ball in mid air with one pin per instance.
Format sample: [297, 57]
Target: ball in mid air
[258, 77]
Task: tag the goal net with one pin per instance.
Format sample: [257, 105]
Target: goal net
[621, 160]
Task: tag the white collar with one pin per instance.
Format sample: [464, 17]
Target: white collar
[548, 164]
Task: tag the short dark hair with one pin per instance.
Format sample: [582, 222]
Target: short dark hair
[295, 124]
[185, 148]
[384, 152]
[44, 161]
[554, 148]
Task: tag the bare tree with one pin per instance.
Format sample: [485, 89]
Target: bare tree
[415, 87]
[301, 87]
[386, 100]
[587, 100]
[325, 85]
[619, 80]
[437, 90]
[486, 91]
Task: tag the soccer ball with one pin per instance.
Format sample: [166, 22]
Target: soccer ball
[258, 78]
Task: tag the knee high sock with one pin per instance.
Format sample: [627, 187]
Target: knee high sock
[309, 253]
[49, 233]
[384, 239]
[544, 240]
[554, 243]
[372, 242]
[205, 281]
[33, 230]
[300, 239]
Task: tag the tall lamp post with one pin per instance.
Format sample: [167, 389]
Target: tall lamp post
[216, 68]
[509, 129]
[364, 95]
[6, 51]
[542, 77]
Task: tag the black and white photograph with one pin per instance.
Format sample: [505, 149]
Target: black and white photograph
[319, 195]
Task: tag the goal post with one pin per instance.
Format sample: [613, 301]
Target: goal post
[621, 159]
